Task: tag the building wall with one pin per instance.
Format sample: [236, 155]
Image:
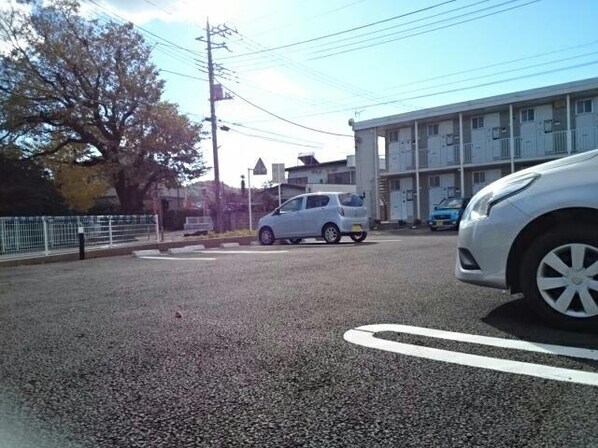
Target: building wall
[366, 169]
[537, 137]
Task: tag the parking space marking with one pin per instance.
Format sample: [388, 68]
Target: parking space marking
[177, 258]
[243, 251]
[364, 336]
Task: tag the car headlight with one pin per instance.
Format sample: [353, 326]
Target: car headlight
[482, 203]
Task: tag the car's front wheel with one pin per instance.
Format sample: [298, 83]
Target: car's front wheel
[266, 236]
[559, 277]
[331, 233]
[359, 237]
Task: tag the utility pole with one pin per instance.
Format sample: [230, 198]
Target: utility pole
[214, 130]
[221, 31]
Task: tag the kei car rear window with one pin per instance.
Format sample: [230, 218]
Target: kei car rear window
[350, 200]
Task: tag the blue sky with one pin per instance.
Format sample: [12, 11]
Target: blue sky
[420, 60]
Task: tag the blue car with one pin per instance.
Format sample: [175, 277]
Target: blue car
[447, 214]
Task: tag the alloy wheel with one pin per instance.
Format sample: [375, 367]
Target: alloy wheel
[567, 279]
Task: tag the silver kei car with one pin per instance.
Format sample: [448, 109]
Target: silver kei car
[316, 215]
[536, 232]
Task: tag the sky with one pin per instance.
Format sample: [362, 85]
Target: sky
[294, 65]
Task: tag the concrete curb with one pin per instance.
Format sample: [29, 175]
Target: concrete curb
[145, 253]
[127, 250]
[225, 245]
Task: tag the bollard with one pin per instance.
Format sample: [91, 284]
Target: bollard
[80, 230]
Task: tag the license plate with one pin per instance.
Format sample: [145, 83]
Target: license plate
[356, 228]
[439, 223]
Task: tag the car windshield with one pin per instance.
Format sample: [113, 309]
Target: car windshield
[451, 203]
[350, 200]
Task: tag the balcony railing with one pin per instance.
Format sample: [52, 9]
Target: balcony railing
[529, 147]
[584, 139]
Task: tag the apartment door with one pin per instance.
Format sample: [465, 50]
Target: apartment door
[406, 160]
[440, 186]
[401, 199]
[481, 137]
[536, 131]
[586, 121]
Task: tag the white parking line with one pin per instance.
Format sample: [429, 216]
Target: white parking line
[383, 241]
[243, 251]
[364, 336]
[178, 258]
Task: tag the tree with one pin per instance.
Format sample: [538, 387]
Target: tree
[26, 189]
[70, 81]
[80, 185]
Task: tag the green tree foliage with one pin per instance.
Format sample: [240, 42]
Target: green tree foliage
[27, 190]
[71, 81]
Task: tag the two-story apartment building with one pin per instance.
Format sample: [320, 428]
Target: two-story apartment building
[456, 150]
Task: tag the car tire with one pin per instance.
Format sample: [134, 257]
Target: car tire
[559, 277]
[331, 233]
[358, 237]
[266, 236]
[295, 240]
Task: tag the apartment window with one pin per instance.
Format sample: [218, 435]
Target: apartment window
[432, 130]
[434, 181]
[393, 136]
[583, 106]
[477, 123]
[340, 178]
[527, 115]
[479, 177]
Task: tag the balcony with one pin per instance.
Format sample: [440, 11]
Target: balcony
[529, 147]
[584, 139]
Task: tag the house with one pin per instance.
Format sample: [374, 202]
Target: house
[336, 175]
[457, 149]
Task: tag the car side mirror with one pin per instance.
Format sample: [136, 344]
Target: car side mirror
[276, 211]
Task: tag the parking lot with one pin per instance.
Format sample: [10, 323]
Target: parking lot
[261, 346]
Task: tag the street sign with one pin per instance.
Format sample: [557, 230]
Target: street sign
[278, 173]
[260, 168]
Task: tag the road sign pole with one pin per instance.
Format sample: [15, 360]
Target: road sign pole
[279, 196]
[249, 200]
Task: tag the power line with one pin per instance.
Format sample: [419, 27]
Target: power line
[280, 47]
[267, 132]
[419, 33]
[461, 89]
[182, 74]
[252, 62]
[298, 21]
[542, 64]
[157, 36]
[271, 139]
[284, 119]
[517, 78]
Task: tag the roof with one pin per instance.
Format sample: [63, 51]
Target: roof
[310, 167]
[557, 90]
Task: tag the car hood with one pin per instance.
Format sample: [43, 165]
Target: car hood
[445, 211]
[552, 166]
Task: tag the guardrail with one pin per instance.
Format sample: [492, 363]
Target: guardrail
[46, 235]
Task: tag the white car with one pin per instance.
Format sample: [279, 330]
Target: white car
[536, 232]
[316, 215]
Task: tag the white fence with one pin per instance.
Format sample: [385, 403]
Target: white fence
[45, 235]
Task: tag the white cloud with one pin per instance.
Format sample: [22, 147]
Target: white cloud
[171, 11]
[275, 81]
